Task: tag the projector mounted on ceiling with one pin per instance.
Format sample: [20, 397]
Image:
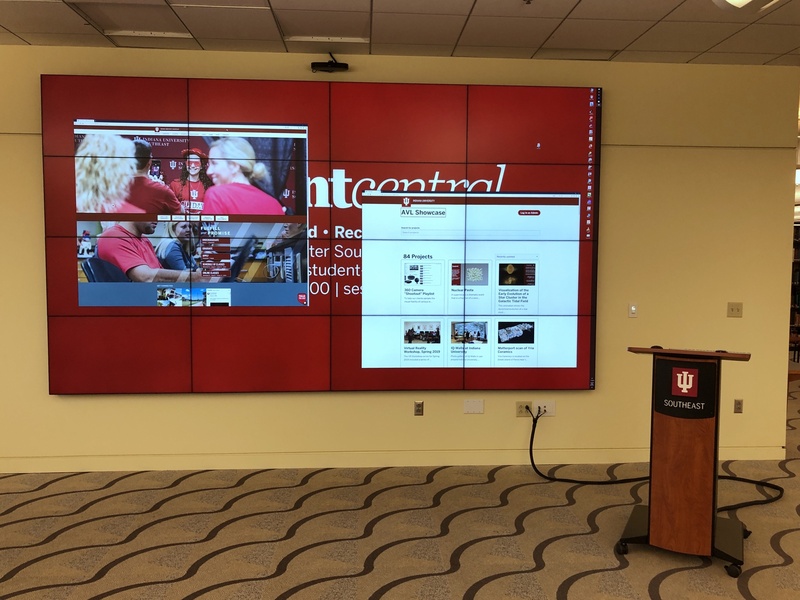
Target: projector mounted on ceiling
[331, 66]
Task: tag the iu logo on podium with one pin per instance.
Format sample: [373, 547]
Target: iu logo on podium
[684, 382]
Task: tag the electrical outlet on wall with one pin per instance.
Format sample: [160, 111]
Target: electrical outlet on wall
[735, 310]
[539, 408]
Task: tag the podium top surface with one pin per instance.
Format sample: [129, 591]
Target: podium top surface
[718, 354]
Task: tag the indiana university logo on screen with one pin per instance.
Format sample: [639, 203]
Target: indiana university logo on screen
[684, 382]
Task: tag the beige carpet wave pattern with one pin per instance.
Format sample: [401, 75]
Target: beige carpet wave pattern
[394, 533]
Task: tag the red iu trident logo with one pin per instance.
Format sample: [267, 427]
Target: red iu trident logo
[684, 382]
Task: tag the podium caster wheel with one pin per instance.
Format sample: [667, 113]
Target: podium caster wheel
[733, 570]
[621, 548]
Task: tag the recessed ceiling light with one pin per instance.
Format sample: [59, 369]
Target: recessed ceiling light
[326, 39]
[750, 5]
[152, 34]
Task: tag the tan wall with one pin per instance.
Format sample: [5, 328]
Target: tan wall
[696, 210]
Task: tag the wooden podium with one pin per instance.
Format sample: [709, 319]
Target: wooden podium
[684, 442]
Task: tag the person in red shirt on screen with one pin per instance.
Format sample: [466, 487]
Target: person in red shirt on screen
[124, 246]
[190, 188]
[233, 168]
[152, 197]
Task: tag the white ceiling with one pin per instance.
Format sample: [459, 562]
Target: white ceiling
[767, 32]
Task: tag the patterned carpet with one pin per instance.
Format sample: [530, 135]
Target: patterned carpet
[396, 533]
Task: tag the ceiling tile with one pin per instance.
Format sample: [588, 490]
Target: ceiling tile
[411, 49]
[238, 45]
[618, 30]
[440, 7]
[323, 24]
[684, 37]
[706, 10]
[416, 29]
[326, 5]
[9, 39]
[775, 39]
[68, 39]
[324, 48]
[244, 23]
[788, 14]
[567, 54]
[40, 17]
[790, 60]
[507, 32]
[493, 52]
[230, 4]
[654, 57]
[732, 58]
[596, 35]
[132, 17]
[555, 9]
[632, 10]
[109, 1]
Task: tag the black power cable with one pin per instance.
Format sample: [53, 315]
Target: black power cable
[564, 479]
[755, 482]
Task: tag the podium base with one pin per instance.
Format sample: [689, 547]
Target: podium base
[729, 535]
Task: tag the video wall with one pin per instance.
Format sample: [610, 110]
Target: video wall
[252, 236]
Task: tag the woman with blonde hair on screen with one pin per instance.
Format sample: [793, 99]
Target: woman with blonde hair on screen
[104, 170]
[233, 168]
[177, 250]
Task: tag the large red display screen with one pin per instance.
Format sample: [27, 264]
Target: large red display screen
[251, 236]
